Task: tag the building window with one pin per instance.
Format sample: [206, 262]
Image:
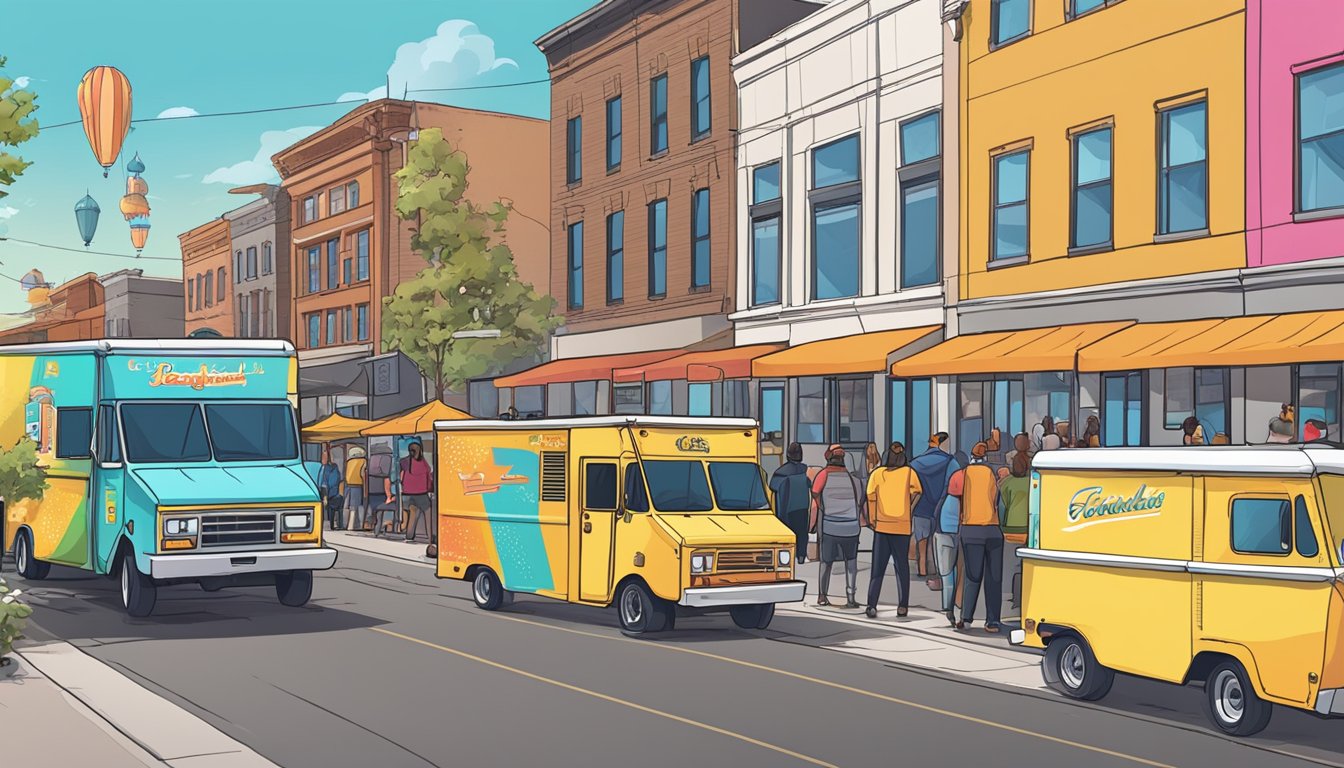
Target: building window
[347, 270]
[244, 314]
[1204, 393]
[1122, 409]
[658, 248]
[910, 408]
[362, 322]
[1009, 20]
[335, 200]
[700, 103]
[1079, 7]
[349, 317]
[352, 194]
[1318, 394]
[660, 398]
[574, 150]
[362, 255]
[614, 134]
[628, 398]
[853, 410]
[772, 410]
[314, 330]
[191, 295]
[314, 269]
[658, 115]
[267, 258]
[766, 249]
[811, 410]
[221, 286]
[252, 262]
[1183, 172]
[331, 327]
[576, 265]
[1092, 199]
[920, 183]
[700, 399]
[333, 256]
[700, 239]
[239, 267]
[309, 209]
[209, 284]
[264, 313]
[585, 398]
[1012, 176]
[1320, 139]
[836, 197]
[616, 257]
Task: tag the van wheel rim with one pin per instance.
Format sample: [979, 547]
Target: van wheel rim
[126, 584]
[482, 587]
[21, 560]
[1229, 698]
[1072, 666]
[632, 608]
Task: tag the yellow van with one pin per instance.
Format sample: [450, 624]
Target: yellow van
[648, 512]
[1218, 565]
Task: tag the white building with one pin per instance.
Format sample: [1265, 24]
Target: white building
[840, 178]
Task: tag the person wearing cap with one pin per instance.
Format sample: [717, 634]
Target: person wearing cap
[356, 473]
[838, 512]
[791, 487]
[1281, 427]
[893, 490]
[981, 538]
[933, 467]
[417, 482]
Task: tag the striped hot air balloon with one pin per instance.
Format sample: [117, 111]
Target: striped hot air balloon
[105, 106]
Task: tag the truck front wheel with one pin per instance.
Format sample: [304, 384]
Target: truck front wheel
[1231, 702]
[293, 588]
[1071, 668]
[640, 610]
[29, 567]
[753, 616]
[138, 591]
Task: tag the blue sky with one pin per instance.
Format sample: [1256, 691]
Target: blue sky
[212, 56]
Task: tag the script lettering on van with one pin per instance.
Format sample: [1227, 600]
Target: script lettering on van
[1090, 506]
[689, 444]
[207, 376]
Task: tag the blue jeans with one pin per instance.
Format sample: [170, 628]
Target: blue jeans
[945, 555]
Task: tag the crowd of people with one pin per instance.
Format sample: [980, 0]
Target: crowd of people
[349, 501]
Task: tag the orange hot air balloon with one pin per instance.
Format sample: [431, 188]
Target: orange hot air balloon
[105, 106]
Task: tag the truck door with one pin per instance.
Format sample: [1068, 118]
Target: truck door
[66, 499]
[107, 487]
[597, 510]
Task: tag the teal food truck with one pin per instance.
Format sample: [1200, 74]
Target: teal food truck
[165, 462]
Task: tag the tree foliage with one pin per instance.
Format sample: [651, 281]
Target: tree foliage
[20, 475]
[17, 125]
[470, 281]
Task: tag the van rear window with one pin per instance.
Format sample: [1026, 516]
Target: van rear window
[1333, 488]
[1262, 526]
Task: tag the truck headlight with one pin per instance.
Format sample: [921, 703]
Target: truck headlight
[296, 522]
[181, 526]
[702, 562]
[785, 557]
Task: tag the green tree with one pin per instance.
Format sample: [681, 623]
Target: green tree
[470, 281]
[17, 125]
[20, 476]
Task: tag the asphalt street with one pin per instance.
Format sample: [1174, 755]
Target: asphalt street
[389, 666]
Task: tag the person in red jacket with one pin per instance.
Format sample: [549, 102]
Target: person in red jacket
[417, 482]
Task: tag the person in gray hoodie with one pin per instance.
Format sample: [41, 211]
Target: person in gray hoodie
[839, 510]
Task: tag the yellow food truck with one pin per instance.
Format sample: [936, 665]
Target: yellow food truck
[1222, 565]
[648, 512]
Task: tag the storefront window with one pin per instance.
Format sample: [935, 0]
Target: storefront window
[585, 398]
[1318, 389]
[660, 398]
[772, 409]
[560, 399]
[737, 398]
[629, 398]
[811, 410]
[700, 399]
[971, 409]
[1047, 394]
[853, 410]
[911, 409]
[1200, 392]
[529, 401]
[1122, 414]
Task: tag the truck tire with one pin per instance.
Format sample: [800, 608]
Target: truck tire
[138, 591]
[1070, 668]
[294, 588]
[640, 611]
[486, 590]
[753, 616]
[28, 566]
[1231, 703]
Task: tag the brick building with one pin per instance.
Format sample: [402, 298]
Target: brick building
[206, 264]
[71, 311]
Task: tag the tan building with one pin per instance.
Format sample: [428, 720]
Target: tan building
[206, 262]
[349, 249]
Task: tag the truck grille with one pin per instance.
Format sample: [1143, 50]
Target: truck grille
[745, 561]
[236, 529]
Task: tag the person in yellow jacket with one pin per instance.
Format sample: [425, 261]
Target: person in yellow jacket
[893, 490]
[981, 538]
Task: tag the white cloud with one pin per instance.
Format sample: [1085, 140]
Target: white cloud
[259, 170]
[8, 212]
[178, 112]
[22, 81]
[456, 55]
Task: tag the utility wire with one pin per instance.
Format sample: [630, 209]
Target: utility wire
[92, 253]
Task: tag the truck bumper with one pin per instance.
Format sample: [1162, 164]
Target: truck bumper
[747, 594]
[198, 565]
[1330, 702]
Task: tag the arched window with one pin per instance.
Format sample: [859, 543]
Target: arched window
[267, 259]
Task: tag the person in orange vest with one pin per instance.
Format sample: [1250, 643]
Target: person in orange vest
[981, 538]
[893, 490]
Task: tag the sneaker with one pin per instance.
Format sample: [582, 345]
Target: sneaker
[851, 603]
[871, 613]
[952, 617]
[993, 629]
[960, 626]
[821, 601]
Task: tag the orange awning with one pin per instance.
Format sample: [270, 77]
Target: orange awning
[571, 369]
[861, 353]
[1299, 337]
[416, 421]
[334, 427]
[713, 365]
[1037, 349]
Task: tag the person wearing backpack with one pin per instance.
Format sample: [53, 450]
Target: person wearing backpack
[791, 487]
[839, 511]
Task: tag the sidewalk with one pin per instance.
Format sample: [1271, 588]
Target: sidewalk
[64, 707]
[394, 546]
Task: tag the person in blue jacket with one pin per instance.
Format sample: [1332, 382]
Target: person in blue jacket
[933, 467]
[793, 497]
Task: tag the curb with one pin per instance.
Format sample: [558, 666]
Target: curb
[170, 734]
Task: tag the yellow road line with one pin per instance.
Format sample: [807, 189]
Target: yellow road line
[849, 689]
[611, 699]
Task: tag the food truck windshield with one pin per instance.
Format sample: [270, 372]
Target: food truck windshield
[185, 432]
[680, 485]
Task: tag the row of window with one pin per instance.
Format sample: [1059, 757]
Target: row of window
[354, 268]
[245, 262]
[835, 197]
[1010, 20]
[1182, 185]
[658, 121]
[255, 313]
[342, 326]
[656, 252]
[340, 198]
[206, 289]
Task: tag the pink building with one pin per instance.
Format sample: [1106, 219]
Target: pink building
[1294, 152]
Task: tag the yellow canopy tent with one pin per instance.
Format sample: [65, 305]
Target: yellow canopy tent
[415, 421]
[333, 428]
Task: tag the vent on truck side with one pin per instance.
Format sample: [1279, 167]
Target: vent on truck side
[554, 465]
